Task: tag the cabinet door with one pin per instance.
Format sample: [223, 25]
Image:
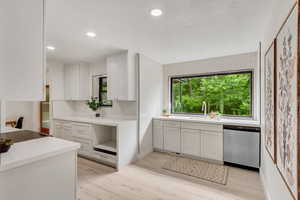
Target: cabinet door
[57, 86]
[67, 132]
[84, 82]
[58, 130]
[81, 130]
[22, 68]
[86, 147]
[158, 137]
[68, 83]
[190, 142]
[117, 76]
[212, 145]
[172, 139]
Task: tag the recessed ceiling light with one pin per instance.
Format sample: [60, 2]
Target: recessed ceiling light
[91, 34]
[52, 48]
[156, 12]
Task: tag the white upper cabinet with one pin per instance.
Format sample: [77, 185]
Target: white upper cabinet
[121, 76]
[22, 68]
[77, 81]
[56, 81]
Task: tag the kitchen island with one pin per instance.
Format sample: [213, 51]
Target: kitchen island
[38, 168]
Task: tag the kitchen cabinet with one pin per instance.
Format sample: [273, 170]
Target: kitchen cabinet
[212, 145]
[158, 137]
[67, 131]
[86, 146]
[201, 140]
[121, 76]
[109, 141]
[77, 82]
[22, 56]
[56, 80]
[191, 142]
[77, 132]
[172, 139]
[58, 129]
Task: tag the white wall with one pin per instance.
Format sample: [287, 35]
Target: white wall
[15, 109]
[150, 100]
[220, 64]
[274, 185]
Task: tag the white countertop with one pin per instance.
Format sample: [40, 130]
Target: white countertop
[95, 120]
[236, 122]
[8, 129]
[33, 150]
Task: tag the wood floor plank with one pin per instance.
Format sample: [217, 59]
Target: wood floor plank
[146, 180]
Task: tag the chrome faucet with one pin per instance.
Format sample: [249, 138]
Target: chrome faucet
[204, 108]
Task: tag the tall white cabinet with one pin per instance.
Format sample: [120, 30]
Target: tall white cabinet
[22, 68]
[77, 82]
[121, 73]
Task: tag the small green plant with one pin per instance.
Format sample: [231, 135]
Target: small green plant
[6, 142]
[94, 104]
[164, 111]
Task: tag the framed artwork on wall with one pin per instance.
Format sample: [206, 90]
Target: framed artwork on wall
[287, 101]
[270, 115]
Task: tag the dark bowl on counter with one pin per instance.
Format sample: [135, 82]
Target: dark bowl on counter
[5, 145]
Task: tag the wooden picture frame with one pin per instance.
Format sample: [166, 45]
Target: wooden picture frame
[288, 102]
[270, 101]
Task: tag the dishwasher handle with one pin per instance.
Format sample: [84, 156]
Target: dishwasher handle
[241, 128]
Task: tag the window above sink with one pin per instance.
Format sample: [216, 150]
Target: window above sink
[229, 94]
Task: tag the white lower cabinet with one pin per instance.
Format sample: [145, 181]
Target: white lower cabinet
[77, 132]
[212, 145]
[85, 146]
[67, 131]
[58, 131]
[158, 137]
[190, 138]
[172, 139]
[190, 142]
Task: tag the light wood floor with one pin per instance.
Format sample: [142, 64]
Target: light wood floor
[145, 180]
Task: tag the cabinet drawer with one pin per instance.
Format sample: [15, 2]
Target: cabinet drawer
[217, 133]
[202, 126]
[82, 130]
[158, 123]
[67, 125]
[105, 157]
[85, 145]
[58, 124]
[172, 124]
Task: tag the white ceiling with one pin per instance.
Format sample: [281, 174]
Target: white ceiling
[187, 30]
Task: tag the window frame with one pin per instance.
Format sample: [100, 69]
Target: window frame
[247, 71]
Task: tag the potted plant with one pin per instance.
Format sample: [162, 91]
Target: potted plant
[5, 144]
[165, 113]
[94, 104]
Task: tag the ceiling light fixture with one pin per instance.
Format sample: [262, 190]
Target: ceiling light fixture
[156, 12]
[91, 34]
[51, 48]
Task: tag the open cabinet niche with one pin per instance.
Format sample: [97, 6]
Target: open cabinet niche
[105, 142]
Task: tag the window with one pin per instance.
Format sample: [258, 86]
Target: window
[103, 92]
[228, 94]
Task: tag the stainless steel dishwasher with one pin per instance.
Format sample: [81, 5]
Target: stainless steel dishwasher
[242, 145]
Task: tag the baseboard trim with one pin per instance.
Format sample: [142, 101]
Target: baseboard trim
[263, 181]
